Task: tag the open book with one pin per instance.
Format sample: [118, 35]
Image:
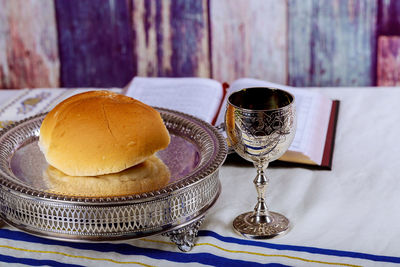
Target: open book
[206, 99]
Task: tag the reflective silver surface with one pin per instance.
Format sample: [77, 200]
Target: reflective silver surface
[194, 156]
[260, 125]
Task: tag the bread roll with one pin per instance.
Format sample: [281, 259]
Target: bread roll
[101, 132]
[150, 175]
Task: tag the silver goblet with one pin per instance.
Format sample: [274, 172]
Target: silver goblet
[260, 124]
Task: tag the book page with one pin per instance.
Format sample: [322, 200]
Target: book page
[199, 97]
[312, 109]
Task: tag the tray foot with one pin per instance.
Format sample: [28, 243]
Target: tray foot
[185, 237]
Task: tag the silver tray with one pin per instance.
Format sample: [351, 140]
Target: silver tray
[194, 156]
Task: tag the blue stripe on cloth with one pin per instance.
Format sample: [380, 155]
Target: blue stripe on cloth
[126, 249]
[331, 252]
[34, 262]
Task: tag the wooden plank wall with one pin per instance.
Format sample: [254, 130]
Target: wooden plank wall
[171, 38]
[96, 44]
[248, 39]
[332, 43]
[389, 61]
[388, 55]
[69, 43]
[28, 44]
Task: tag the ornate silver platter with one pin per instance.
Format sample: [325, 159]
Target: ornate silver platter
[194, 156]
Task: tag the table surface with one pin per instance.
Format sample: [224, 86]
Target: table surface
[346, 217]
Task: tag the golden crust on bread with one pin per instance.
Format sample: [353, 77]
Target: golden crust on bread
[101, 132]
[150, 175]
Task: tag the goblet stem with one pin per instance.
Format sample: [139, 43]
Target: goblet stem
[261, 223]
[261, 182]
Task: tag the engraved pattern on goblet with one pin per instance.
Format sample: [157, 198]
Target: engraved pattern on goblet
[260, 124]
[276, 227]
[259, 133]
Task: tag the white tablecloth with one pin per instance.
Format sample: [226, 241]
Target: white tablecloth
[348, 216]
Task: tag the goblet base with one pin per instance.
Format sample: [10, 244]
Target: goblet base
[249, 226]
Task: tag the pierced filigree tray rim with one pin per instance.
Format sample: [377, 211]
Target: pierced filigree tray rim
[201, 172]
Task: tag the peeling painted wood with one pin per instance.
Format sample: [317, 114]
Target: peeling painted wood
[388, 70]
[249, 39]
[28, 44]
[332, 43]
[96, 43]
[171, 37]
[389, 17]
